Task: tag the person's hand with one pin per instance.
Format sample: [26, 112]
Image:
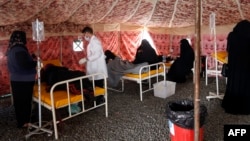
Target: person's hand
[174, 57]
[36, 53]
[82, 61]
[41, 64]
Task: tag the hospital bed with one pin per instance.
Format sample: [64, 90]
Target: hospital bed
[57, 99]
[214, 64]
[213, 69]
[144, 77]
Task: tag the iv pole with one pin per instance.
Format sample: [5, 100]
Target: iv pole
[216, 72]
[38, 36]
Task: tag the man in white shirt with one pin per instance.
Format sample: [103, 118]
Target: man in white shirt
[95, 59]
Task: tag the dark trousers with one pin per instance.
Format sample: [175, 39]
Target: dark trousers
[22, 95]
[99, 83]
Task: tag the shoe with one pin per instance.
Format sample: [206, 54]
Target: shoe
[75, 108]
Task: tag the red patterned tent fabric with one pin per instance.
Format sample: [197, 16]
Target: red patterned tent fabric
[123, 44]
[120, 25]
[63, 17]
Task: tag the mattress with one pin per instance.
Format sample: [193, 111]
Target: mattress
[144, 75]
[221, 56]
[60, 96]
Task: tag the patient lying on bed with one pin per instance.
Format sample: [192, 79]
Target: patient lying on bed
[118, 67]
[51, 74]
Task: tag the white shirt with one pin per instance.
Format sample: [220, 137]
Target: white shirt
[96, 59]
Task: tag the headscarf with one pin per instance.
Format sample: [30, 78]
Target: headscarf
[109, 55]
[186, 55]
[238, 43]
[146, 53]
[17, 38]
[185, 47]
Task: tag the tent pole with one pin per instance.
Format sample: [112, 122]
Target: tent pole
[61, 49]
[197, 70]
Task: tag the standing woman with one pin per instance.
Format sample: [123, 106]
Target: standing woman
[22, 70]
[237, 95]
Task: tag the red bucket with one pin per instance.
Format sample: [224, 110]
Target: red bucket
[178, 133]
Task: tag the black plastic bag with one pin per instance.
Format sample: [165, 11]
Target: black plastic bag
[181, 113]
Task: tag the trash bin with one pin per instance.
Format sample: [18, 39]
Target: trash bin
[180, 116]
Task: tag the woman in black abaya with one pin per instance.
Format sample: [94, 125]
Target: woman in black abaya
[237, 95]
[146, 53]
[182, 66]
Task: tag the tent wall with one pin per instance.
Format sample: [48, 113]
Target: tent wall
[123, 43]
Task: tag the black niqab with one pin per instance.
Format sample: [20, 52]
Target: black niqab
[237, 95]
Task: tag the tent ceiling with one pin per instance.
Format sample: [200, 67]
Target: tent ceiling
[151, 13]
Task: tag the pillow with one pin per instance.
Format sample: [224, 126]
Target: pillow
[55, 62]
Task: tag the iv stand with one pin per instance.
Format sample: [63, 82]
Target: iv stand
[217, 73]
[38, 128]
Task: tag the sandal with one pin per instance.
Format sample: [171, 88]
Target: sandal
[26, 125]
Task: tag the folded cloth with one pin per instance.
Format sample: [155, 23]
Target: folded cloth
[75, 108]
[73, 89]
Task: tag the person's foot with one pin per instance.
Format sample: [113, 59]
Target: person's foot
[25, 125]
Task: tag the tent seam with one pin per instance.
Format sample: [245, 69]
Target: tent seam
[239, 8]
[108, 11]
[72, 13]
[133, 12]
[150, 17]
[173, 15]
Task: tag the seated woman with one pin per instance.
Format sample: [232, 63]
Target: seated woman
[146, 53]
[182, 65]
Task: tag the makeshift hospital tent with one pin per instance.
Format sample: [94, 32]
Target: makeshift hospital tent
[120, 25]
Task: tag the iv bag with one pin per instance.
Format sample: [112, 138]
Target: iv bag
[38, 31]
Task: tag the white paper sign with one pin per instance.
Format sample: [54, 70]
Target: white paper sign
[78, 45]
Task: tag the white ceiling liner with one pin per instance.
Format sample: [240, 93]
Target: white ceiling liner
[172, 16]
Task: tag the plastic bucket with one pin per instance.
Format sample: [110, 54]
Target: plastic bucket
[178, 133]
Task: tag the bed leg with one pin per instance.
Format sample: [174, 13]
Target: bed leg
[141, 90]
[106, 105]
